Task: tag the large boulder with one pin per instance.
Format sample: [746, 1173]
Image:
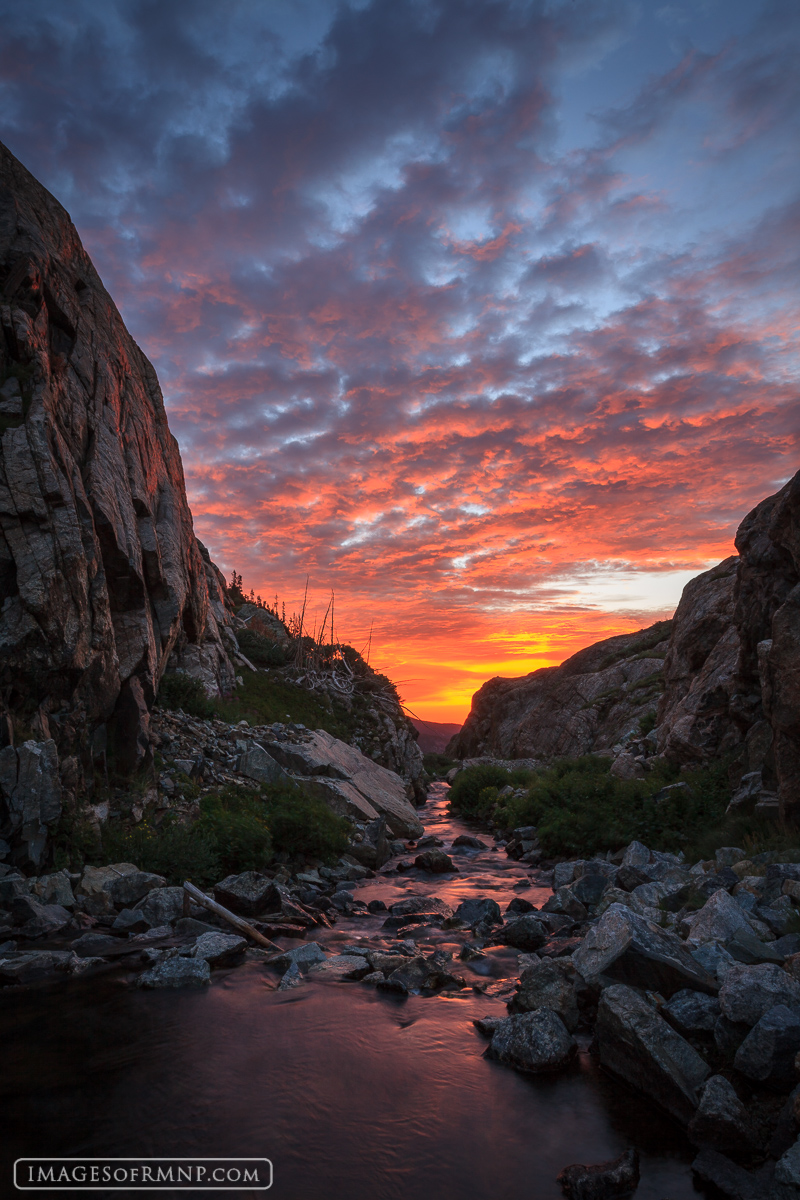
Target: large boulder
[637, 1044]
[552, 983]
[320, 755]
[219, 949]
[750, 992]
[527, 932]
[176, 972]
[766, 1056]
[30, 791]
[721, 1119]
[602, 1181]
[718, 920]
[247, 894]
[256, 764]
[535, 1041]
[133, 886]
[161, 906]
[479, 909]
[625, 948]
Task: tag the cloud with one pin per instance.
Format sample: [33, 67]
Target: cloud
[410, 348]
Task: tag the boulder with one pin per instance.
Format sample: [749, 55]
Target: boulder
[623, 947]
[603, 1181]
[468, 842]
[292, 978]
[787, 1169]
[340, 967]
[321, 755]
[479, 909]
[409, 978]
[719, 919]
[692, 1012]
[176, 972]
[721, 1119]
[55, 889]
[730, 1180]
[766, 1056]
[256, 764]
[304, 957]
[92, 945]
[436, 862]
[534, 1041]
[38, 920]
[749, 992]
[713, 958]
[161, 906]
[127, 889]
[566, 903]
[745, 947]
[552, 984]
[30, 788]
[219, 949]
[527, 932]
[99, 879]
[129, 921]
[638, 1045]
[247, 894]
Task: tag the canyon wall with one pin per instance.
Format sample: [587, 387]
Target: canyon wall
[101, 577]
[722, 679]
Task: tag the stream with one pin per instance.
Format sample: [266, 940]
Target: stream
[352, 1093]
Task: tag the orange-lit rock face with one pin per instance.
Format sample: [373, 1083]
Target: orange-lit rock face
[482, 315]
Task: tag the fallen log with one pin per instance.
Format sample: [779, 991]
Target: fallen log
[237, 922]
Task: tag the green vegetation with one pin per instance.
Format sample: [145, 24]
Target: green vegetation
[262, 651]
[179, 690]
[579, 808]
[239, 829]
[437, 765]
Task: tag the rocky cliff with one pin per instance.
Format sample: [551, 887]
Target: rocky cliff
[721, 679]
[101, 577]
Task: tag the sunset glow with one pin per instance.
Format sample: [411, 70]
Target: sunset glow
[481, 314]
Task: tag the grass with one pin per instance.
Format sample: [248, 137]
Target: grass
[239, 829]
[437, 765]
[580, 809]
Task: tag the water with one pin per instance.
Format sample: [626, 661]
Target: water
[352, 1093]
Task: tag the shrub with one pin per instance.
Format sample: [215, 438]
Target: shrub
[176, 851]
[467, 793]
[437, 765]
[301, 824]
[179, 690]
[236, 823]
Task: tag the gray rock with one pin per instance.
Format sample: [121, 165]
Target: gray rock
[247, 894]
[718, 920]
[468, 842]
[176, 972]
[126, 890]
[564, 873]
[340, 967]
[292, 978]
[38, 920]
[623, 947]
[129, 921]
[30, 791]
[603, 1181]
[481, 908]
[55, 889]
[551, 983]
[728, 1036]
[638, 1045]
[256, 764]
[436, 862]
[161, 906]
[220, 949]
[519, 905]
[303, 957]
[766, 1055]
[692, 1012]
[92, 945]
[527, 932]
[487, 1025]
[749, 992]
[714, 958]
[721, 1119]
[745, 947]
[426, 905]
[566, 903]
[535, 1041]
[787, 1169]
[190, 927]
[589, 889]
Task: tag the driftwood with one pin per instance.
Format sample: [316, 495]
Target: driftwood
[237, 922]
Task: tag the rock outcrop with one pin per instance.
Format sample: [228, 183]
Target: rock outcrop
[101, 577]
[589, 703]
[722, 678]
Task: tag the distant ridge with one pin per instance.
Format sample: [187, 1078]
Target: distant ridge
[434, 735]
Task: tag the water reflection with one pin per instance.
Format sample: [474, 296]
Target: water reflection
[352, 1094]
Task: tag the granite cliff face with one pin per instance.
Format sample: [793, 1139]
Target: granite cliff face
[101, 577]
[721, 679]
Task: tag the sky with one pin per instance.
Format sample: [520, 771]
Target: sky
[480, 313]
